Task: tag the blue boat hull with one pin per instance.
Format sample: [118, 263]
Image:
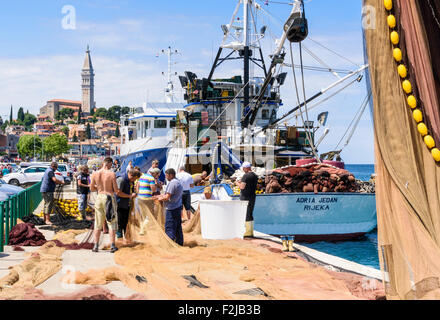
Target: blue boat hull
[328, 216]
[314, 217]
[143, 159]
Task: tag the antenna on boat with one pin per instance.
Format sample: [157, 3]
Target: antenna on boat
[169, 90]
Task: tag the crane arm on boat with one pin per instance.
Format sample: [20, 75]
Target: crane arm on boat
[317, 95]
[295, 30]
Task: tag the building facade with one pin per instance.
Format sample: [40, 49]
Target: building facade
[52, 107]
[88, 84]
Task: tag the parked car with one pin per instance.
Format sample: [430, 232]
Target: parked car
[32, 174]
[8, 189]
[3, 196]
[66, 172]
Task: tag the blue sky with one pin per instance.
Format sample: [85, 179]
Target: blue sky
[40, 60]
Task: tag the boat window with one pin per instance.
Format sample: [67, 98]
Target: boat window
[160, 124]
[172, 124]
[265, 114]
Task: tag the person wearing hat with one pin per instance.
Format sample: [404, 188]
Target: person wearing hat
[248, 186]
[207, 194]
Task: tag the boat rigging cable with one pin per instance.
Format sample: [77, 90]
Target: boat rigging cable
[356, 121]
[326, 98]
[308, 133]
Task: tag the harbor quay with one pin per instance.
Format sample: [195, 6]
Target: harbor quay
[64, 266]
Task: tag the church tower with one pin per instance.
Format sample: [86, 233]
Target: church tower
[88, 85]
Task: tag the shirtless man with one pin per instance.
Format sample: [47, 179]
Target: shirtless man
[104, 181]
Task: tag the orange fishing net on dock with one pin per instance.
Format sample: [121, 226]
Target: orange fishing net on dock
[210, 269]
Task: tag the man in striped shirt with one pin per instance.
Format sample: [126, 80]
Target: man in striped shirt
[147, 184]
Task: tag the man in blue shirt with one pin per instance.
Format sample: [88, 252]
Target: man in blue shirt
[47, 189]
[173, 204]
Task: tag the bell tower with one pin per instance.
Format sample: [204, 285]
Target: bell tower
[88, 84]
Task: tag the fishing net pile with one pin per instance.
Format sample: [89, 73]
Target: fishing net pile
[25, 234]
[209, 269]
[60, 223]
[40, 265]
[405, 84]
[314, 178]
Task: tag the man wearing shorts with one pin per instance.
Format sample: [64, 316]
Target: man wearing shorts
[104, 181]
[187, 182]
[83, 190]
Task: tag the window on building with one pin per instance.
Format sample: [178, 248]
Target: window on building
[160, 124]
[147, 125]
[265, 114]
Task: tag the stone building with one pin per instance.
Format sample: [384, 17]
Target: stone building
[88, 94]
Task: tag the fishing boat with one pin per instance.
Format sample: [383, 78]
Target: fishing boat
[230, 120]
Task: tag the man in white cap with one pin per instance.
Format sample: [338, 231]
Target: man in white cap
[248, 186]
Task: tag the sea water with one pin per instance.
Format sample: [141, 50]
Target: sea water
[363, 250]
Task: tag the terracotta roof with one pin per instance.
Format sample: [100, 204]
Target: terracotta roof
[66, 101]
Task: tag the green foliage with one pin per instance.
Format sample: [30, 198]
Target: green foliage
[75, 138]
[20, 115]
[117, 132]
[64, 114]
[26, 146]
[114, 113]
[55, 145]
[29, 120]
[80, 121]
[125, 110]
[4, 125]
[88, 131]
[101, 113]
[10, 115]
[65, 130]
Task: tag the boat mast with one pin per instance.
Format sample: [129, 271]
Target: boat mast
[246, 53]
[169, 90]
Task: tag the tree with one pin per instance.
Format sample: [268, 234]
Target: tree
[29, 120]
[114, 113]
[64, 114]
[65, 130]
[10, 115]
[26, 145]
[117, 133]
[80, 116]
[75, 137]
[5, 125]
[55, 145]
[20, 115]
[101, 113]
[125, 110]
[88, 131]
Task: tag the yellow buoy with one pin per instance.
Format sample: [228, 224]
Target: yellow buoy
[391, 21]
[429, 141]
[394, 37]
[412, 101]
[407, 87]
[388, 4]
[418, 116]
[397, 54]
[402, 71]
[435, 154]
[422, 129]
